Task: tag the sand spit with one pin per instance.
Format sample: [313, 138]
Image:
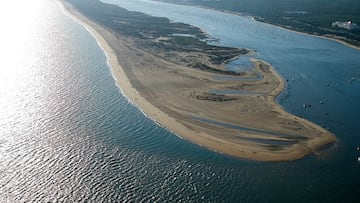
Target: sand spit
[249, 126]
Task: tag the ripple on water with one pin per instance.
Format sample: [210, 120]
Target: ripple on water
[74, 138]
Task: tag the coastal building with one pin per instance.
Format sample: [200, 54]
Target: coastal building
[349, 25]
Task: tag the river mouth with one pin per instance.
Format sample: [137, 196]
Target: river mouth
[325, 61]
[79, 138]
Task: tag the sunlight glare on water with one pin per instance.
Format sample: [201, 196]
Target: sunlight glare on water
[68, 135]
[18, 51]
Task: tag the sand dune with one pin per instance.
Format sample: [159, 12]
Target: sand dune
[249, 125]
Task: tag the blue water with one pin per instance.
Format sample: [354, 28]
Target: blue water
[241, 64]
[68, 135]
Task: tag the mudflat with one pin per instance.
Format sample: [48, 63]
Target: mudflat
[181, 81]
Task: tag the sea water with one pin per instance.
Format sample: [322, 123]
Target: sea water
[67, 133]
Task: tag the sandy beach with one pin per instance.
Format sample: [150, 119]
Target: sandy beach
[248, 125]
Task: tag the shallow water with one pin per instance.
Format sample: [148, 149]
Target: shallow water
[230, 91]
[67, 133]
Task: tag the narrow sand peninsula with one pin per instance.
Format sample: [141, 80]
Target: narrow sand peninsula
[243, 120]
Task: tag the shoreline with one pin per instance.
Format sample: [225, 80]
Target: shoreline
[288, 29]
[121, 81]
[310, 35]
[188, 130]
[275, 25]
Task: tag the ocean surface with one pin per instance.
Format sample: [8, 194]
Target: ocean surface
[67, 134]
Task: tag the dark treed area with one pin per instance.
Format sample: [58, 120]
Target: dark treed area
[160, 36]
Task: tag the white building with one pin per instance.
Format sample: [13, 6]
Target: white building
[349, 25]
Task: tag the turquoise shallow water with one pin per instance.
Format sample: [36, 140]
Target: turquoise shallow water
[67, 133]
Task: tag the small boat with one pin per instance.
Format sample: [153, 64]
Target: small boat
[358, 148]
[321, 102]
